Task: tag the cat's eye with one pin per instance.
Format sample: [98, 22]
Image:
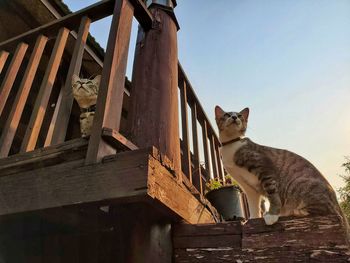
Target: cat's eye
[227, 115]
[239, 115]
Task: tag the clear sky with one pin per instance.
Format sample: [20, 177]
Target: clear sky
[288, 61]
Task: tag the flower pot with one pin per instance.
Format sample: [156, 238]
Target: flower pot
[227, 201]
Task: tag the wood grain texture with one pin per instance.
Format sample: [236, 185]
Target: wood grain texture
[154, 118]
[117, 140]
[125, 177]
[165, 189]
[110, 95]
[22, 94]
[11, 74]
[218, 161]
[3, 58]
[214, 165]
[33, 129]
[64, 108]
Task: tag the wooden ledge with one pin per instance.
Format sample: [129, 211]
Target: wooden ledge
[116, 140]
[132, 176]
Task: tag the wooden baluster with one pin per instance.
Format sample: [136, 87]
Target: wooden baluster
[63, 109]
[33, 129]
[185, 138]
[218, 160]
[196, 174]
[213, 158]
[205, 146]
[11, 74]
[21, 98]
[3, 57]
[110, 96]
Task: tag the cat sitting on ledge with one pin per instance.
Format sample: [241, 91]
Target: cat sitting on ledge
[85, 93]
[292, 185]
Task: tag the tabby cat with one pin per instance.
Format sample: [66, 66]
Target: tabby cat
[292, 185]
[85, 93]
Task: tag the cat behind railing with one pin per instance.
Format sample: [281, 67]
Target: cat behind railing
[85, 93]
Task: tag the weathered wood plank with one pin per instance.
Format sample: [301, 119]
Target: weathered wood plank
[65, 107]
[207, 241]
[294, 232]
[125, 177]
[163, 187]
[71, 151]
[21, 97]
[3, 58]
[214, 165]
[110, 95]
[33, 129]
[117, 140]
[218, 161]
[187, 165]
[218, 229]
[11, 74]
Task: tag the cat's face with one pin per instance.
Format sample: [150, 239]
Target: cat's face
[231, 124]
[85, 87]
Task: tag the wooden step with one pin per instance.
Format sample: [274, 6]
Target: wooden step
[307, 239]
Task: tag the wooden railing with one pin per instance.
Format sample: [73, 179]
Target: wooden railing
[197, 173]
[35, 120]
[36, 106]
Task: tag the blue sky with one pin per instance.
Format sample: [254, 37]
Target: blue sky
[289, 61]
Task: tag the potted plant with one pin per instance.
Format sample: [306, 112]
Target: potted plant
[224, 195]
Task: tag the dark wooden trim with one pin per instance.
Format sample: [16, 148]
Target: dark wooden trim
[65, 107]
[218, 160]
[11, 74]
[95, 12]
[213, 157]
[117, 140]
[3, 57]
[187, 165]
[17, 108]
[110, 95]
[64, 152]
[205, 146]
[196, 174]
[33, 129]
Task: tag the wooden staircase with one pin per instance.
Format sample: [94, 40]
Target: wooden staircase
[307, 239]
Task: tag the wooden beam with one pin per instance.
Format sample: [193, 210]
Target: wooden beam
[117, 140]
[64, 108]
[65, 152]
[218, 161]
[167, 192]
[11, 74]
[124, 177]
[21, 97]
[187, 165]
[110, 95]
[212, 155]
[33, 129]
[3, 57]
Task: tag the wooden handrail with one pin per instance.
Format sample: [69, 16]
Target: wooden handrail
[95, 12]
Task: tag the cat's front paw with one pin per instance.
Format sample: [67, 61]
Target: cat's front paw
[270, 219]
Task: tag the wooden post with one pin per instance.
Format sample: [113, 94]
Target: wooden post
[21, 97]
[11, 74]
[197, 177]
[63, 107]
[110, 95]
[36, 120]
[3, 57]
[154, 99]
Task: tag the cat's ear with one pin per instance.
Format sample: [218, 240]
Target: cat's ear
[97, 80]
[75, 78]
[245, 113]
[218, 112]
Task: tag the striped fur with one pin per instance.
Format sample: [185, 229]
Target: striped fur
[291, 183]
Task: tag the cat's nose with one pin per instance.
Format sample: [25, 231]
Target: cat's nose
[234, 117]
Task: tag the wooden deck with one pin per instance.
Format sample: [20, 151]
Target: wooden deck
[56, 176]
[308, 239]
